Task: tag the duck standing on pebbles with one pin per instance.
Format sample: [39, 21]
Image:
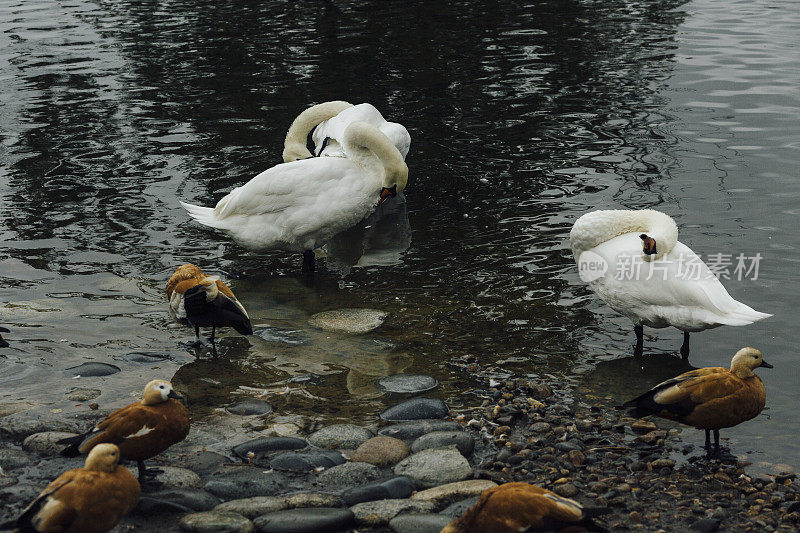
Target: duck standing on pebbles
[709, 398]
[514, 507]
[141, 430]
[199, 301]
[91, 499]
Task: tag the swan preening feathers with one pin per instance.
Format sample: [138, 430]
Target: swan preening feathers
[301, 204]
[635, 263]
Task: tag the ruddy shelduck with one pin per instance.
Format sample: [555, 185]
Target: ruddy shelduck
[199, 301]
[514, 507]
[142, 429]
[91, 499]
[709, 398]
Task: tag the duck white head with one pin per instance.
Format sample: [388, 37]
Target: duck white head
[294, 147]
[209, 285]
[158, 391]
[746, 360]
[102, 458]
[369, 147]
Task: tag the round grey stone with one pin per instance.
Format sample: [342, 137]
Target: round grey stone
[379, 512]
[268, 444]
[216, 522]
[46, 442]
[412, 429]
[249, 407]
[243, 482]
[407, 383]
[305, 520]
[349, 474]
[441, 439]
[340, 436]
[416, 409]
[352, 321]
[91, 370]
[433, 467]
[303, 462]
[419, 523]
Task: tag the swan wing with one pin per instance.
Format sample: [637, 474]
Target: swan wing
[333, 129]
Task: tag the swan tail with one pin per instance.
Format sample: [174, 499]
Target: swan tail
[204, 215]
[742, 316]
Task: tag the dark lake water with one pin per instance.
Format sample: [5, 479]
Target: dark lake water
[523, 116]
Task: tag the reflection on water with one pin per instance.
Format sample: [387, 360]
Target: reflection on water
[524, 115]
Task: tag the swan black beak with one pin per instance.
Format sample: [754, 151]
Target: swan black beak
[386, 192]
[765, 364]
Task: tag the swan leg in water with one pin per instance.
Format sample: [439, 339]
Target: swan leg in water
[639, 348]
[685, 345]
[308, 262]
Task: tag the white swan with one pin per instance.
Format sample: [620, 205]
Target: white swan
[300, 205]
[635, 263]
[329, 130]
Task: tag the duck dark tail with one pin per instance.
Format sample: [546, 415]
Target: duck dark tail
[73, 443]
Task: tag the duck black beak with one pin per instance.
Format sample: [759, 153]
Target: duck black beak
[386, 192]
[173, 394]
[765, 364]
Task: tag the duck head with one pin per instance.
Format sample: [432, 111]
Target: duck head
[159, 391]
[103, 458]
[746, 360]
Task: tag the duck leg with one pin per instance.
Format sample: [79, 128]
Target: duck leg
[308, 262]
[213, 330]
[685, 345]
[639, 348]
[147, 476]
[716, 442]
[708, 440]
[198, 342]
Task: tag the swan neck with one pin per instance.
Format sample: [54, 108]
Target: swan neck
[371, 149]
[597, 227]
[294, 147]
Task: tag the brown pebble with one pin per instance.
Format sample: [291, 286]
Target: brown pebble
[635, 516]
[643, 426]
[568, 490]
[94, 406]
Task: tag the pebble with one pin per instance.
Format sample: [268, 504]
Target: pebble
[172, 477]
[216, 522]
[379, 513]
[268, 444]
[395, 488]
[541, 427]
[243, 482]
[414, 429]
[196, 500]
[305, 520]
[643, 426]
[568, 490]
[340, 436]
[306, 461]
[444, 495]
[416, 409]
[250, 407]
[441, 439]
[352, 321]
[459, 508]
[82, 394]
[706, 525]
[147, 357]
[349, 474]
[407, 383]
[91, 370]
[381, 451]
[663, 463]
[418, 523]
[433, 467]
[46, 442]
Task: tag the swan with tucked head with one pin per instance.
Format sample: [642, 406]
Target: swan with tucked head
[635, 263]
[329, 122]
[301, 204]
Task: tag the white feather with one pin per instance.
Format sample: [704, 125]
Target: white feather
[334, 129]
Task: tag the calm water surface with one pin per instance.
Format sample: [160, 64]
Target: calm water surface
[523, 116]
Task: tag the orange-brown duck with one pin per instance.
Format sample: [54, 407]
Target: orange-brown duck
[91, 499]
[515, 507]
[142, 429]
[199, 301]
[709, 398]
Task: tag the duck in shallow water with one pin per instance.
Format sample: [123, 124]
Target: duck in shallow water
[709, 398]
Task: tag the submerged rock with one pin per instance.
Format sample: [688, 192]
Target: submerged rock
[381, 451]
[244, 481]
[304, 462]
[416, 409]
[430, 468]
[340, 436]
[91, 370]
[305, 520]
[415, 428]
[419, 523]
[249, 407]
[268, 444]
[216, 522]
[281, 336]
[458, 508]
[349, 474]
[352, 321]
[147, 357]
[441, 439]
[378, 513]
[395, 488]
[407, 383]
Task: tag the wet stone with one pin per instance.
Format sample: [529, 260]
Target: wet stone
[194, 500]
[243, 482]
[395, 488]
[441, 439]
[352, 321]
[418, 523]
[340, 436]
[47, 442]
[216, 522]
[24, 423]
[415, 428]
[304, 462]
[82, 394]
[203, 462]
[281, 336]
[11, 458]
[250, 407]
[444, 495]
[407, 383]
[430, 468]
[255, 506]
[349, 474]
[457, 509]
[378, 513]
[147, 357]
[268, 444]
[91, 370]
[305, 520]
[381, 451]
[705, 525]
[172, 477]
[416, 409]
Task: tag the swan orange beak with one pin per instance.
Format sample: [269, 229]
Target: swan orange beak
[386, 192]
